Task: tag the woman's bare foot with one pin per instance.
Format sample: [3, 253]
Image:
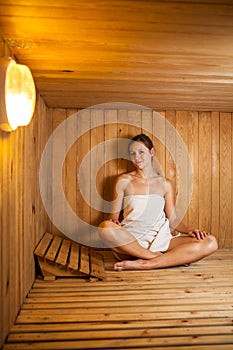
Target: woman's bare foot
[134, 264]
[130, 265]
[138, 264]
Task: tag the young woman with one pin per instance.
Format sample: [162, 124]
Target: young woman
[143, 239]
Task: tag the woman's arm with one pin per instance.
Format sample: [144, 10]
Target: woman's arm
[118, 195]
[171, 215]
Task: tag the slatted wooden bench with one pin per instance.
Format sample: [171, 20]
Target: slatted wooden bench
[59, 257]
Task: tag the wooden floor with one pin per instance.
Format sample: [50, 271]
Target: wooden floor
[187, 308]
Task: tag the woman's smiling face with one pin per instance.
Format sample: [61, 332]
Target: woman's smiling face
[140, 155]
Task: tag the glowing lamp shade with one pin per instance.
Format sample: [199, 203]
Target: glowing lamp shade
[17, 94]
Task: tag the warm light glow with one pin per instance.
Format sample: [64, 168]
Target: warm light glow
[18, 95]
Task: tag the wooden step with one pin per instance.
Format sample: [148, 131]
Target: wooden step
[59, 257]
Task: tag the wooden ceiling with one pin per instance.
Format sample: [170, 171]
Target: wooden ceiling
[160, 54]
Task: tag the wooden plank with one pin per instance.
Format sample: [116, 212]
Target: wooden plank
[43, 244]
[225, 216]
[84, 265]
[134, 128]
[122, 333]
[58, 211]
[110, 157]
[115, 307]
[193, 132]
[6, 200]
[182, 160]
[121, 316]
[53, 249]
[215, 176]
[91, 345]
[158, 310]
[83, 194]
[139, 299]
[96, 265]
[121, 292]
[70, 172]
[170, 135]
[204, 170]
[97, 178]
[74, 256]
[123, 132]
[159, 140]
[160, 324]
[118, 343]
[63, 252]
[232, 179]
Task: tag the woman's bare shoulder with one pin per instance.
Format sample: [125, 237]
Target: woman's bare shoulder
[124, 179]
[126, 176]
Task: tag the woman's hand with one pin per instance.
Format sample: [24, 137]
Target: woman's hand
[197, 233]
[116, 221]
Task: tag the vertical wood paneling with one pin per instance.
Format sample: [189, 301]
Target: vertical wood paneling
[193, 148]
[21, 210]
[123, 132]
[160, 150]
[111, 153]
[182, 119]
[225, 228]
[2, 332]
[6, 234]
[135, 127]
[23, 219]
[83, 146]
[205, 194]
[97, 162]
[58, 116]
[29, 183]
[231, 179]
[215, 183]
[208, 138]
[170, 166]
[70, 166]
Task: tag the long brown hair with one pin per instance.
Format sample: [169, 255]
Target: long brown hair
[144, 139]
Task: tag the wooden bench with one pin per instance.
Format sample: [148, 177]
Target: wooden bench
[60, 257]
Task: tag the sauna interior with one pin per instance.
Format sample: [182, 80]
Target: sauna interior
[174, 58]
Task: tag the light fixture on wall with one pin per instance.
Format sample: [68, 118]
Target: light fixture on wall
[17, 94]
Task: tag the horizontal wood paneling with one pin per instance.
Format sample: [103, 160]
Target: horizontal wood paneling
[163, 54]
[177, 309]
[208, 138]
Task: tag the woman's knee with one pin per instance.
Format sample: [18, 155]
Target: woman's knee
[106, 229]
[209, 245]
[103, 224]
[212, 243]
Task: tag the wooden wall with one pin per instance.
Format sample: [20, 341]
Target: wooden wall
[208, 138]
[23, 219]
[207, 135]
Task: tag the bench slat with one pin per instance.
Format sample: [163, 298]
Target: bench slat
[53, 249]
[43, 244]
[97, 265]
[84, 260]
[63, 253]
[74, 257]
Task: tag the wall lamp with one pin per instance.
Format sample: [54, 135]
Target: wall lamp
[17, 94]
